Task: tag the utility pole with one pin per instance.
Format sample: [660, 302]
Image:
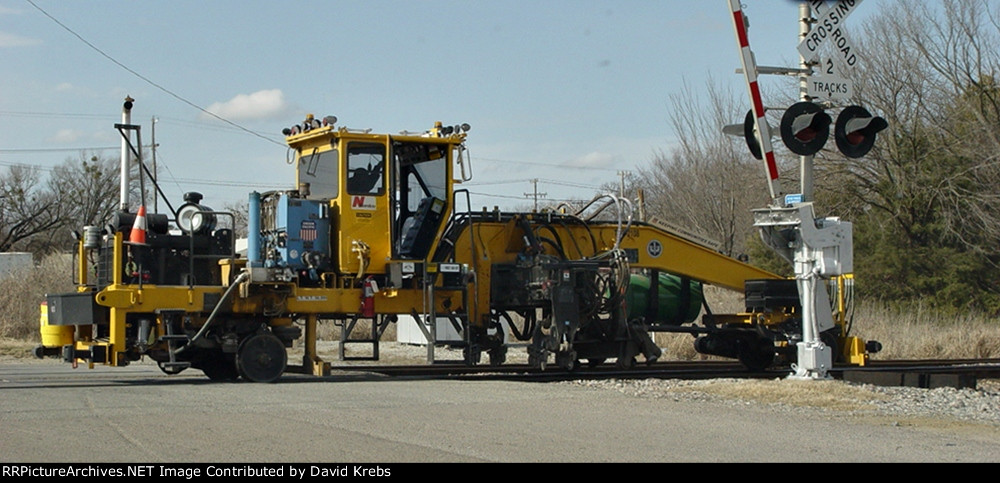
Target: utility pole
[621, 186]
[805, 162]
[153, 150]
[536, 194]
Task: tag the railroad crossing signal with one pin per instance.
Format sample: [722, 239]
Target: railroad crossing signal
[805, 128]
[855, 131]
[750, 134]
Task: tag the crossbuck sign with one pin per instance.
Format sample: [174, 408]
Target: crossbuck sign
[829, 20]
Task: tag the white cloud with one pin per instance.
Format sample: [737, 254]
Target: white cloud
[64, 86]
[592, 160]
[14, 40]
[66, 136]
[265, 104]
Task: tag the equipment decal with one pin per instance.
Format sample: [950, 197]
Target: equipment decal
[654, 248]
[363, 203]
[311, 298]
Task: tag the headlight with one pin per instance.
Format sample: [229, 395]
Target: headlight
[190, 221]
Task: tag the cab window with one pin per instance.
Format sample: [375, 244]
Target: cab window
[365, 169]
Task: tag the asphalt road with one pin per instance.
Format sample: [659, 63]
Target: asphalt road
[136, 414]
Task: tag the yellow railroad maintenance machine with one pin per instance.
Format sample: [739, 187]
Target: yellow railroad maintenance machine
[374, 230]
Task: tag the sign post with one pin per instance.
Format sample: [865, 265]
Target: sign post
[819, 249]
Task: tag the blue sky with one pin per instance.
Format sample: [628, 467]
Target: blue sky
[569, 92]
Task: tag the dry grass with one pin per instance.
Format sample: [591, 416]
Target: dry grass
[16, 348]
[920, 334]
[23, 290]
[910, 333]
[806, 393]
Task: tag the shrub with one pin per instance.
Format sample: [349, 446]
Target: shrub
[23, 290]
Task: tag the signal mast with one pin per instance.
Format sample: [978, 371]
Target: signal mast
[820, 249]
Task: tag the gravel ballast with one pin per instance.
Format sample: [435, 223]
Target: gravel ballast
[981, 405]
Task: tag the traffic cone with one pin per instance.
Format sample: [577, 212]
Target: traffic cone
[138, 234]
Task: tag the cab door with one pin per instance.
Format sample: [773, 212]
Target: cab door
[421, 191]
[364, 205]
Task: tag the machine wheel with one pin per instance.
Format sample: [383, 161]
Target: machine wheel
[472, 355]
[498, 356]
[537, 358]
[626, 356]
[829, 338]
[261, 358]
[170, 370]
[567, 360]
[755, 353]
[220, 368]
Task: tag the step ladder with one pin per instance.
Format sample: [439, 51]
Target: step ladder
[428, 321]
[174, 340]
[378, 325]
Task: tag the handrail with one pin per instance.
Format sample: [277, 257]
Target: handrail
[191, 254]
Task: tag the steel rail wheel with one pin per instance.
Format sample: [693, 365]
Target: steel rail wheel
[261, 358]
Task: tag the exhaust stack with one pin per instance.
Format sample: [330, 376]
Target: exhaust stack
[126, 155]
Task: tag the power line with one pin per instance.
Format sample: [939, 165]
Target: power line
[572, 185]
[194, 181]
[488, 183]
[54, 115]
[55, 150]
[520, 198]
[536, 194]
[533, 163]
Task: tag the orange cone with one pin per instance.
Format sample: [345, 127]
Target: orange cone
[138, 234]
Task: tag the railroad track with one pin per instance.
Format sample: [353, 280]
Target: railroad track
[918, 373]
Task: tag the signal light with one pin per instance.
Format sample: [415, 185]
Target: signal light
[856, 130]
[805, 128]
[750, 134]
[748, 130]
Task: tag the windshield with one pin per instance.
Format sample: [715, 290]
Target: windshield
[317, 174]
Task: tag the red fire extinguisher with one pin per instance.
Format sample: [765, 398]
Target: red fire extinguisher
[368, 297]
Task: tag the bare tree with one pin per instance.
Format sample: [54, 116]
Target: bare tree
[930, 70]
[239, 221]
[26, 210]
[90, 186]
[925, 199]
[709, 182]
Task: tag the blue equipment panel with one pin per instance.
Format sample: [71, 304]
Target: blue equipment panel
[306, 227]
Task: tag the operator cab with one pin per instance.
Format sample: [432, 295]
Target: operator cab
[371, 197]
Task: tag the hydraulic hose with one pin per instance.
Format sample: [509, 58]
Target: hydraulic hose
[211, 317]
